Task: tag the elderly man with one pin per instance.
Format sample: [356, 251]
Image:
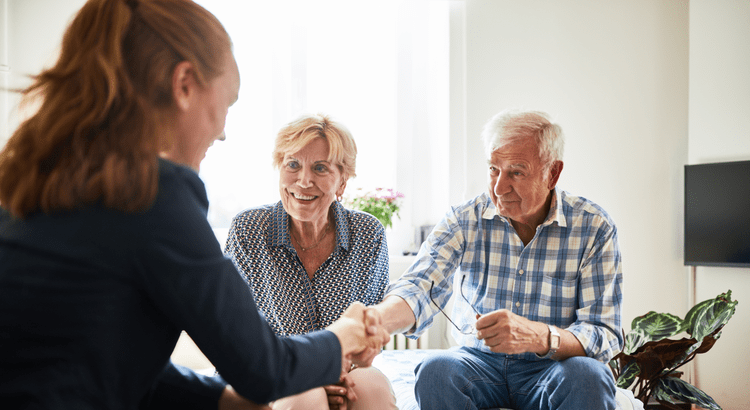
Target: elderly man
[539, 276]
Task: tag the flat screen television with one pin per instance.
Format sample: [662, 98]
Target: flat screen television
[717, 214]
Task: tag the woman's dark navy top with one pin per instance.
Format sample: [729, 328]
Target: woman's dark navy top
[92, 303]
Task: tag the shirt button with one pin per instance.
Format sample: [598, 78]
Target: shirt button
[518, 304]
[520, 271]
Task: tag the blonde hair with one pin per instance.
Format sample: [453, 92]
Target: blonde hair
[95, 136]
[342, 150]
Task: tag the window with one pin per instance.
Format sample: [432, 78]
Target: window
[378, 67]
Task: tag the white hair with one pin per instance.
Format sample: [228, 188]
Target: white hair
[514, 125]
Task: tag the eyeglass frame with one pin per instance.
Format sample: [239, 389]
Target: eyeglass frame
[461, 291]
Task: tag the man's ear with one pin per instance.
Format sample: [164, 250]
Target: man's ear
[184, 85]
[554, 174]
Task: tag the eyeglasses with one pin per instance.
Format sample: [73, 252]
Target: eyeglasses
[467, 329]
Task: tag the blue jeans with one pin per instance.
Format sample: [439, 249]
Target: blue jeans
[466, 378]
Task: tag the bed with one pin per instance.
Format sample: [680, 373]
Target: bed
[398, 366]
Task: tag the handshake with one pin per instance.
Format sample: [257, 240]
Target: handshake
[361, 334]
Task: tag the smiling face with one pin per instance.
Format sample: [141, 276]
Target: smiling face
[520, 187]
[221, 94]
[309, 183]
[201, 111]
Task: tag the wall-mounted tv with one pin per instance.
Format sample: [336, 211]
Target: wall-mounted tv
[717, 214]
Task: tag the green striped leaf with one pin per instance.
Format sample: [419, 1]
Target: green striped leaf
[652, 327]
[628, 375]
[707, 318]
[673, 390]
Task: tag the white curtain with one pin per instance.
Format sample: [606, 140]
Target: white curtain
[378, 67]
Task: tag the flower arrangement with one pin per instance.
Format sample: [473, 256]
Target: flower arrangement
[382, 203]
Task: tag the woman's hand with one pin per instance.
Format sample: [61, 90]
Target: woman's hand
[231, 400]
[361, 334]
[342, 393]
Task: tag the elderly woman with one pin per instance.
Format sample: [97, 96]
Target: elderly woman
[307, 258]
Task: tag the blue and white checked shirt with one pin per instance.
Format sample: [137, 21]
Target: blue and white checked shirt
[357, 269]
[569, 275]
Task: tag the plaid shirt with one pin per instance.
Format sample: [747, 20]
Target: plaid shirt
[569, 275]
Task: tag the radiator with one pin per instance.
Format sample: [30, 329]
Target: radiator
[435, 337]
[401, 342]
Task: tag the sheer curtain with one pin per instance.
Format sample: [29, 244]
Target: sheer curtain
[378, 67]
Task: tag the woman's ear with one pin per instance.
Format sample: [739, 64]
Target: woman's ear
[184, 85]
[342, 188]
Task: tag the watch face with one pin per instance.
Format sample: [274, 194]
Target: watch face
[554, 342]
[554, 338]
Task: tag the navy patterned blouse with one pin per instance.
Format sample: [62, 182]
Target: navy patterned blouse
[356, 270]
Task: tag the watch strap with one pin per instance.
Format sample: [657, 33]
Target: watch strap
[554, 343]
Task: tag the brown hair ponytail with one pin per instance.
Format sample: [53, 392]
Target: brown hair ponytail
[95, 136]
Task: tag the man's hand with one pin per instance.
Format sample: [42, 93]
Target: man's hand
[360, 333]
[506, 332]
[374, 328]
[365, 357]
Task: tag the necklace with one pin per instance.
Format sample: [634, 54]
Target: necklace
[303, 249]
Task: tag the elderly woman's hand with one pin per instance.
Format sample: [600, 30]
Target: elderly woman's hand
[342, 393]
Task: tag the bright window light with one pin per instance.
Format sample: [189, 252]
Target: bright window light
[349, 59]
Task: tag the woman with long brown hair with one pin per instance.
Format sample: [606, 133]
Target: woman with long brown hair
[105, 250]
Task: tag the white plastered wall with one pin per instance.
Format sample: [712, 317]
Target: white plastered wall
[719, 130]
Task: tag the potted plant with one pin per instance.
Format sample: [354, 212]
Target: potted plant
[382, 203]
[649, 361]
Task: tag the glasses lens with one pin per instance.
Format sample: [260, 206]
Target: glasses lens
[467, 329]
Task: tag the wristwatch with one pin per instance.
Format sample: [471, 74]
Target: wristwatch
[554, 342]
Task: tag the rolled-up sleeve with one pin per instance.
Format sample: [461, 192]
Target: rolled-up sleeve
[598, 324]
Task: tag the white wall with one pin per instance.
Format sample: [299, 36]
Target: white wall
[35, 29]
[719, 130]
[4, 71]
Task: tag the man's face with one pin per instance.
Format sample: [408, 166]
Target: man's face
[520, 187]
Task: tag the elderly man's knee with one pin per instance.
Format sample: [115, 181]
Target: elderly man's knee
[587, 371]
[437, 370]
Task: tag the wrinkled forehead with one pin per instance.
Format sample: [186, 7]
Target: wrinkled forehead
[516, 148]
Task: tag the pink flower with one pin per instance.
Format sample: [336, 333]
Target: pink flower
[388, 194]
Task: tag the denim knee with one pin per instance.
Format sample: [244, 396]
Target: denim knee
[582, 383]
[585, 370]
[436, 372]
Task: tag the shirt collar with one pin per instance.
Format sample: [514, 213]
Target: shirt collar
[279, 228]
[555, 212]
